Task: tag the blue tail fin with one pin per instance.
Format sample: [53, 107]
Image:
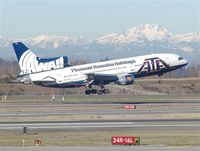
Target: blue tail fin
[20, 48]
[30, 63]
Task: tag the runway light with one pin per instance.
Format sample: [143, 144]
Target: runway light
[129, 106]
[23, 142]
[37, 142]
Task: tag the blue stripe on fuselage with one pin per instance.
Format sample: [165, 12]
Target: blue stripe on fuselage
[160, 72]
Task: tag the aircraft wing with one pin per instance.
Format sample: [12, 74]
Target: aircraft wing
[48, 79]
[102, 77]
[45, 81]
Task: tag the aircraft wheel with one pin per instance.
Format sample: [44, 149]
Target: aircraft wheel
[94, 91]
[99, 92]
[87, 92]
[106, 91]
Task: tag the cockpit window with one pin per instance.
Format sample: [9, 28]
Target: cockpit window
[180, 58]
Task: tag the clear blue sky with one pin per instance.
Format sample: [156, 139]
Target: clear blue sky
[91, 19]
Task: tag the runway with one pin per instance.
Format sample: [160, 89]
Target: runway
[102, 125]
[60, 123]
[40, 111]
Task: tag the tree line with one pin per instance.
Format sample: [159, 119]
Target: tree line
[10, 68]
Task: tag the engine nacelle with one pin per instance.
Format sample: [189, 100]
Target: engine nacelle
[126, 79]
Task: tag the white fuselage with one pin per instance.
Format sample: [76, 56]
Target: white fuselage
[138, 66]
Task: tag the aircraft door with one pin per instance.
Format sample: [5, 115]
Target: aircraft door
[59, 78]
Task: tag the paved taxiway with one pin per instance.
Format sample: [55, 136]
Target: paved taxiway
[102, 125]
[26, 110]
[113, 148]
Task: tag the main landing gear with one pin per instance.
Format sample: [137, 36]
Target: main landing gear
[100, 91]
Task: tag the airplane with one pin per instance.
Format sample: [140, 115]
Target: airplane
[57, 73]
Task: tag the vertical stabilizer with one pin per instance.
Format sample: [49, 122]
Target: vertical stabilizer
[30, 63]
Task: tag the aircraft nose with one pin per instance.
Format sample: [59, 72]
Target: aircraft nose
[185, 62]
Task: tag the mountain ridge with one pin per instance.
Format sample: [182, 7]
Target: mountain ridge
[137, 40]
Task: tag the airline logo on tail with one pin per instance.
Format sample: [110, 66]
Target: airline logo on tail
[30, 63]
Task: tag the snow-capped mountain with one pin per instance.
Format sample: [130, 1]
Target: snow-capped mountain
[189, 37]
[137, 34]
[54, 42]
[152, 34]
[143, 39]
